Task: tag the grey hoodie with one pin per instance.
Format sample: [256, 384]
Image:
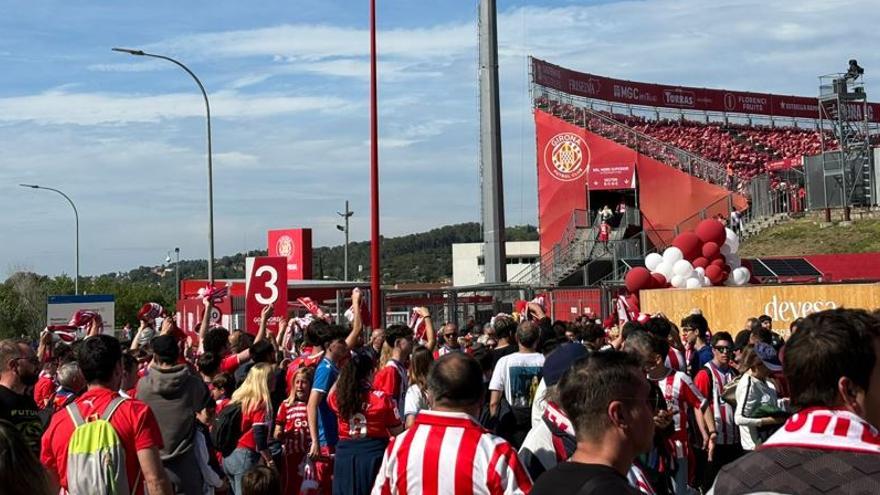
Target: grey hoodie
[174, 394]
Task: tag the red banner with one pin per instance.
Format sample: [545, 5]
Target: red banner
[702, 99]
[612, 177]
[296, 246]
[563, 161]
[266, 281]
[785, 164]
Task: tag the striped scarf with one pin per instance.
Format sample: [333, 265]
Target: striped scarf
[826, 429]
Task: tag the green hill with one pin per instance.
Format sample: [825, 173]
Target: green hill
[422, 257]
[806, 236]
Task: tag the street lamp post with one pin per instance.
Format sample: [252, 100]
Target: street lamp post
[375, 274]
[142, 53]
[76, 218]
[176, 271]
[348, 213]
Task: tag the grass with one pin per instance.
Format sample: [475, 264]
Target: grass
[803, 236]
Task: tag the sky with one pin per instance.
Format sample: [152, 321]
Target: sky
[288, 84]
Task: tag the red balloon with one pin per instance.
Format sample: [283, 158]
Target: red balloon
[719, 262]
[700, 262]
[715, 274]
[659, 281]
[711, 230]
[711, 250]
[689, 244]
[637, 279]
[633, 301]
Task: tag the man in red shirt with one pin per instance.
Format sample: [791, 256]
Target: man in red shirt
[216, 340]
[100, 359]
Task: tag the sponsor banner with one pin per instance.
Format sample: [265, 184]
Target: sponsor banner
[563, 161]
[786, 164]
[296, 246]
[612, 177]
[266, 283]
[702, 99]
[60, 308]
[727, 308]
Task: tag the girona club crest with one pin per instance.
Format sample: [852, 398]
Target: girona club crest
[284, 246]
[567, 156]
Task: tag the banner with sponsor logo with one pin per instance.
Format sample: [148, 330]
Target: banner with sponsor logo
[726, 308]
[296, 246]
[702, 99]
[266, 283]
[563, 161]
[611, 177]
[786, 164]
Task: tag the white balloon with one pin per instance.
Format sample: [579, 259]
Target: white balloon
[678, 281]
[725, 250]
[700, 270]
[729, 234]
[706, 281]
[731, 241]
[672, 254]
[664, 269]
[652, 260]
[692, 283]
[741, 276]
[683, 268]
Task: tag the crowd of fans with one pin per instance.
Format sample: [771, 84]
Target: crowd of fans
[744, 151]
[517, 405]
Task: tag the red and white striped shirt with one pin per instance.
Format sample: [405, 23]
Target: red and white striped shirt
[675, 360]
[681, 394]
[450, 453]
[710, 381]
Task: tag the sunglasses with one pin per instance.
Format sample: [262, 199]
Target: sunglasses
[449, 335]
[723, 348]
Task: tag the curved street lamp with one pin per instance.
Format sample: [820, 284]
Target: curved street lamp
[141, 53]
[76, 218]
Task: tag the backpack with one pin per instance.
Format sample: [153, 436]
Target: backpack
[729, 393]
[226, 430]
[95, 454]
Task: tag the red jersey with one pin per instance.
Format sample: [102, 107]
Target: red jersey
[44, 389]
[249, 419]
[294, 423]
[379, 414]
[393, 380]
[134, 424]
[229, 364]
[710, 381]
[304, 360]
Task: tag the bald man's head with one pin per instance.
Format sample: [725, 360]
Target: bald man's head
[456, 381]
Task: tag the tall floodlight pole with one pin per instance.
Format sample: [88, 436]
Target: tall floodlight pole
[177, 273]
[344, 228]
[142, 53]
[492, 182]
[76, 219]
[375, 274]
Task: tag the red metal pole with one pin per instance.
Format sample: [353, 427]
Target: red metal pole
[375, 277]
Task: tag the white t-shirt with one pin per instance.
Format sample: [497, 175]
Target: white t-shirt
[518, 376]
[414, 401]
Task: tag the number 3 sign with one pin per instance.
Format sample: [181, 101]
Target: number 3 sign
[266, 283]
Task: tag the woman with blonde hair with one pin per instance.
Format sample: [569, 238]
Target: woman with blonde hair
[256, 424]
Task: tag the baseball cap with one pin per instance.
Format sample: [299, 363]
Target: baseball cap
[767, 354]
[560, 360]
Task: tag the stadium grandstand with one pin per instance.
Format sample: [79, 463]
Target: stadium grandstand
[662, 158]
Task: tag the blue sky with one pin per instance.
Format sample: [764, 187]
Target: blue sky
[124, 136]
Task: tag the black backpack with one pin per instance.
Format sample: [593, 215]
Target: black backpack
[227, 429]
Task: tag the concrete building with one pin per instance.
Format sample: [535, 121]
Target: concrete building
[468, 266]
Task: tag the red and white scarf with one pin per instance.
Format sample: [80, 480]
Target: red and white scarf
[418, 325]
[826, 429]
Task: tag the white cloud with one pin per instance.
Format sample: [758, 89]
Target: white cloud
[60, 107]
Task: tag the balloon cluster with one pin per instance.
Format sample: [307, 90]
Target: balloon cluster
[703, 257]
